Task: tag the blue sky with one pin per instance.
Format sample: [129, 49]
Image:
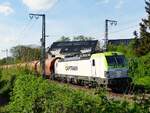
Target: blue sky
[68, 18]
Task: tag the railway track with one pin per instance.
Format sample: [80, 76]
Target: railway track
[134, 92]
[129, 94]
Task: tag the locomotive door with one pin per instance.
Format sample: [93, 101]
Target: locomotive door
[93, 68]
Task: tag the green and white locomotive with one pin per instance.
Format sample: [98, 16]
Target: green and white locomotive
[82, 62]
[106, 68]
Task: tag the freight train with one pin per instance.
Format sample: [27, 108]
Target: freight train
[81, 62]
[102, 69]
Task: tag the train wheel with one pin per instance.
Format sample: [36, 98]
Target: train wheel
[94, 84]
[52, 76]
[81, 82]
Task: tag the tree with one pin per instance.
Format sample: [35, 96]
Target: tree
[64, 39]
[8, 60]
[82, 38]
[77, 38]
[135, 44]
[25, 53]
[143, 45]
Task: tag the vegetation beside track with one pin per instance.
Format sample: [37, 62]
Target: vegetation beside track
[30, 94]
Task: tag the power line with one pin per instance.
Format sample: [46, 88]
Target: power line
[27, 27]
[31, 23]
[101, 34]
[124, 29]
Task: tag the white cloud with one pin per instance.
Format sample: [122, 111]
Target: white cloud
[37, 5]
[6, 9]
[119, 4]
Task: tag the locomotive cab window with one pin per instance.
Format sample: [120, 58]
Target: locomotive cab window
[116, 61]
[93, 62]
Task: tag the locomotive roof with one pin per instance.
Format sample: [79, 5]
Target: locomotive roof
[74, 47]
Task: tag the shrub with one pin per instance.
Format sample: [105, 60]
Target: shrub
[35, 95]
[139, 67]
[139, 70]
[29, 95]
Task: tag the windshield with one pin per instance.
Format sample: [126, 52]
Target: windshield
[116, 61]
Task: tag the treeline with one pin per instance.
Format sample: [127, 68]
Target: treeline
[20, 54]
[25, 53]
[76, 38]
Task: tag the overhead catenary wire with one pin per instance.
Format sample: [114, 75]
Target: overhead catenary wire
[24, 31]
[21, 32]
[30, 24]
[101, 34]
[25, 27]
[124, 29]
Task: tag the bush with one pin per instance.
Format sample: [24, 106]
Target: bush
[35, 95]
[5, 85]
[127, 50]
[139, 70]
[29, 95]
[139, 67]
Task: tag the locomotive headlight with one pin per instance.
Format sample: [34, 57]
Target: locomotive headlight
[106, 74]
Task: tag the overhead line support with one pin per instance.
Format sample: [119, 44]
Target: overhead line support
[112, 22]
[43, 40]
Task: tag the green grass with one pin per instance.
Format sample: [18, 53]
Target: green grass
[144, 81]
[30, 94]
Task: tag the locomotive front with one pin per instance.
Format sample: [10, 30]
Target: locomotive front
[117, 70]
